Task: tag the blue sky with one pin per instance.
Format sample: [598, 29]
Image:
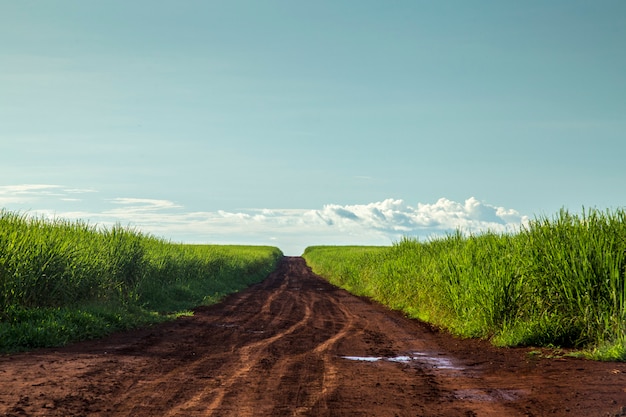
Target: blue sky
[297, 123]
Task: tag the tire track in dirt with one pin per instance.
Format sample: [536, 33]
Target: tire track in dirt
[295, 345]
[313, 371]
[308, 370]
[249, 356]
[275, 312]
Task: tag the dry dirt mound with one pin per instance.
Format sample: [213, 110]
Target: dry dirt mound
[295, 345]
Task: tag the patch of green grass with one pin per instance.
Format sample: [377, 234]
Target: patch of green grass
[558, 281]
[609, 351]
[63, 281]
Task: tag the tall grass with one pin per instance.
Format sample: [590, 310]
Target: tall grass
[63, 280]
[558, 281]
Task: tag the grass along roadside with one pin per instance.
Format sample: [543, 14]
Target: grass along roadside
[63, 281]
[556, 282]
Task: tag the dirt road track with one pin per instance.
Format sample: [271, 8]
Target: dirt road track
[295, 345]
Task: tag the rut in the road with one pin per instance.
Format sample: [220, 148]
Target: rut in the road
[296, 345]
[264, 352]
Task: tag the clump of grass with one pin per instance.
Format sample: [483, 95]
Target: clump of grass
[556, 282]
[62, 281]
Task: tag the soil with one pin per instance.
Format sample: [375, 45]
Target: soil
[295, 345]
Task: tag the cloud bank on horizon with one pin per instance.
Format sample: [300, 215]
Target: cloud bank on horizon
[291, 229]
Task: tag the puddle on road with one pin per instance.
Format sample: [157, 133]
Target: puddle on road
[437, 361]
[430, 359]
[363, 358]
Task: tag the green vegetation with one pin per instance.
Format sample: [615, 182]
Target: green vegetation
[62, 281]
[556, 282]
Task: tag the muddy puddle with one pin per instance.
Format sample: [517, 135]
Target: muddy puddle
[429, 359]
[440, 362]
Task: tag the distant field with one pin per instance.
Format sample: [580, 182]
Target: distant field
[62, 281]
[558, 282]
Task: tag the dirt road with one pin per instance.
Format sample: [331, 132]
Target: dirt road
[295, 345]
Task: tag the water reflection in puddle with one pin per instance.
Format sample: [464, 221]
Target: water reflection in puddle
[439, 362]
[363, 358]
[432, 360]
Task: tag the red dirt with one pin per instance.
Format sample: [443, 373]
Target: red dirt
[279, 349]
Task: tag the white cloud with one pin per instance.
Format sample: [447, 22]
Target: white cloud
[31, 194]
[25, 193]
[27, 188]
[144, 204]
[377, 223]
[79, 190]
[395, 218]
